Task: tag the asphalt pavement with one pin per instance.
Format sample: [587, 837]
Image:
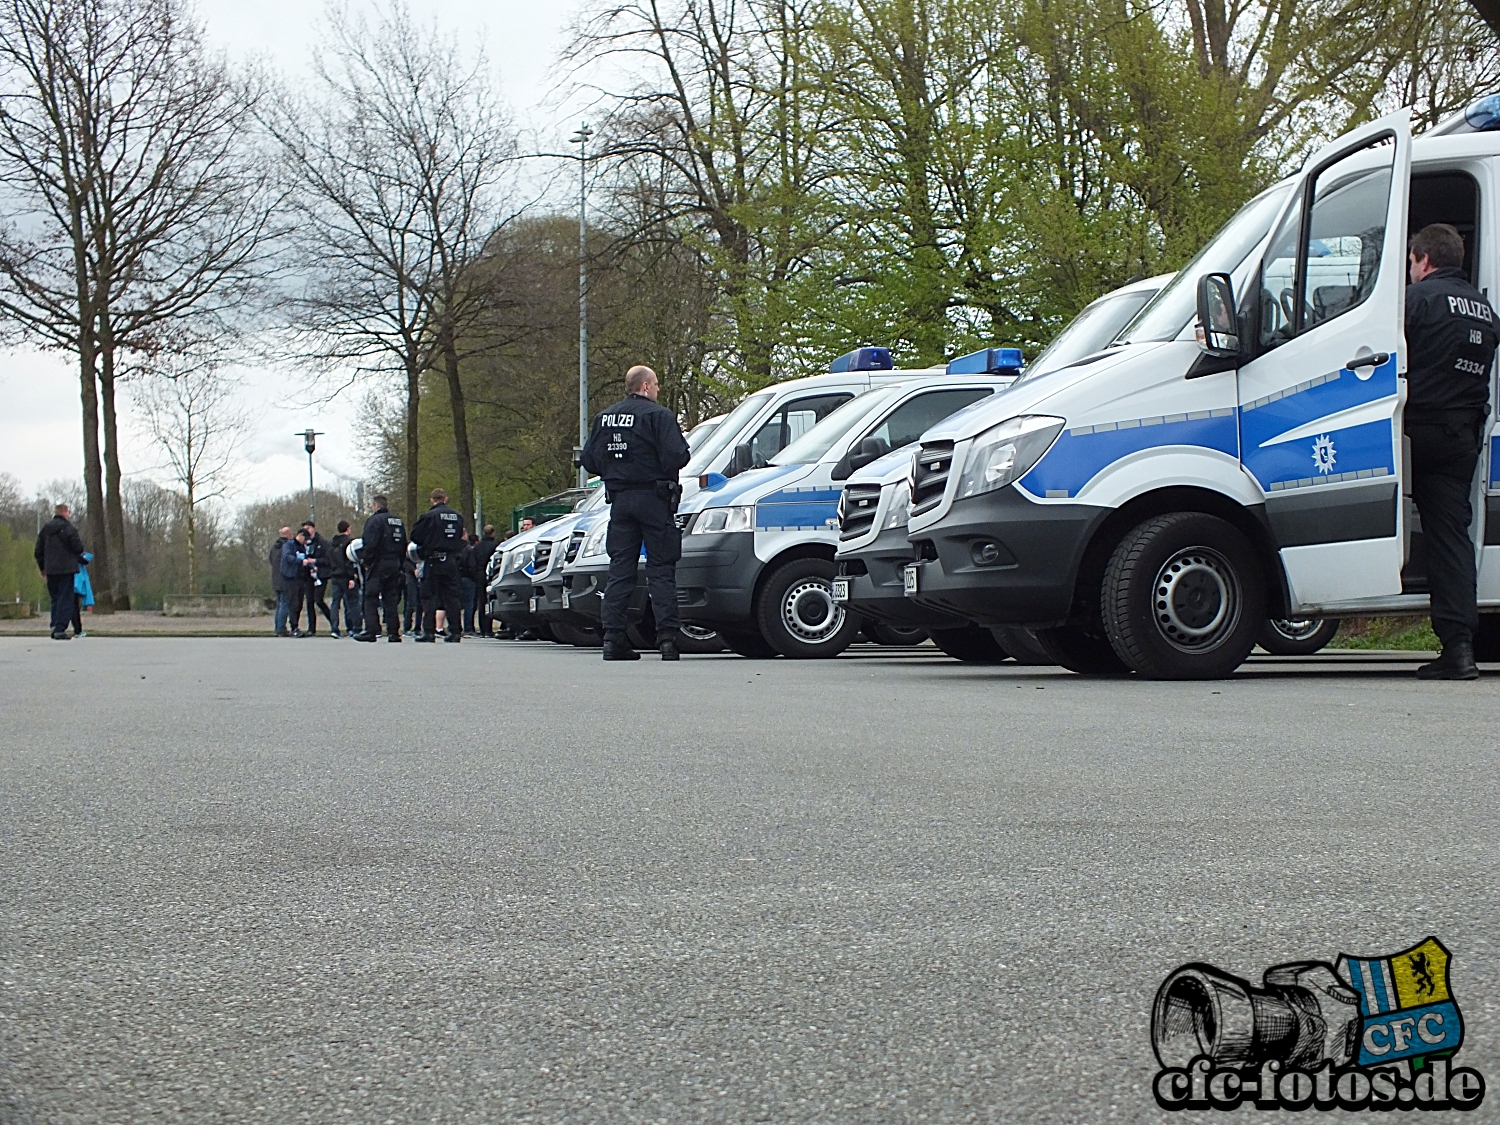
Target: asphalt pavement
[281, 881]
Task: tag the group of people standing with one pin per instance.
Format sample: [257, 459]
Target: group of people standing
[436, 588]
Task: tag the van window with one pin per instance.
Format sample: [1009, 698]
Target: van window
[790, 422]
[733, 423]
[1343, 244]
[913, 418]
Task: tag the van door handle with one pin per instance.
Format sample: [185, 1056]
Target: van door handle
[1368, 360]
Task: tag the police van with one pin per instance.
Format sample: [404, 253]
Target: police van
[873, 548]
[509, 585]
[757, 549]
[1238, 454]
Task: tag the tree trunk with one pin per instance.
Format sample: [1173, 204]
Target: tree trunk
[413, 405]
[192, 541]
[118, 593]
[460, 426]
[93, 474]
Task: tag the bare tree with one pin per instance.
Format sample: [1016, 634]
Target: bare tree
[190, 411]
[140, 209]
[399, 168]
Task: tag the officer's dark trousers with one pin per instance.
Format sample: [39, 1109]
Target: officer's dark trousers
[636, 517]
[1443, 456]
[384, 584]
[440, 590]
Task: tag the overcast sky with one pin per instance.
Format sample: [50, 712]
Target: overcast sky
[41, 427]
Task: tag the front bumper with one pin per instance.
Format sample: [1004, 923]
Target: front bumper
[510, 601]
[586, 585]
[876, 590]
[1041, 546]
[716, 578]
[550, 607]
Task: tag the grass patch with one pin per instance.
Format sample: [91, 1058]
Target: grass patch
[1408, 633]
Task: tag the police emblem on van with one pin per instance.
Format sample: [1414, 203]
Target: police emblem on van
[1323, 454]
[1370, 1033]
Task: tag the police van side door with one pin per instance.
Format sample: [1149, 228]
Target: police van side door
[1320, 402]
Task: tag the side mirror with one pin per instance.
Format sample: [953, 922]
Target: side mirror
[1218, 326]
[741, 461]
[871, 449]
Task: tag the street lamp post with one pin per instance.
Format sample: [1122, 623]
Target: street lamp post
[309, 438]
[581, 139]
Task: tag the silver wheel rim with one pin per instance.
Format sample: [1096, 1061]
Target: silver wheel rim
[697, 632]
[1299, 629]
[809, 612]
[1195, 600]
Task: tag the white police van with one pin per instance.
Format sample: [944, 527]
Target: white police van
[1238, 455]
[757, 552]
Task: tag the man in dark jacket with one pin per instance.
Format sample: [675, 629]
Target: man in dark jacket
[1451, 336]
[637, 447]
[485, 550]
[343, 582]
[294, 567]
[384, 550]
[59, 550]
[439, 536]
[315, 581]
[278, 584]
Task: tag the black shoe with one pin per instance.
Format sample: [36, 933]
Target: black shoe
[451, 640]
[667, 646]
[427, 639]
[395, 640]
[618, 648]
[298, 633]
[283, 633]
[1456, 663]
[61, 637]
[370, 637]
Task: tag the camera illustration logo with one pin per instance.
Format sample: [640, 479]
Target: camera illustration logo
[1372, 1033]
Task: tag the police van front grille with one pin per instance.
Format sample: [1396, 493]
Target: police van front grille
[543, 557]
[860, 503]
[682, 519]
[574, 542]
[934, 463]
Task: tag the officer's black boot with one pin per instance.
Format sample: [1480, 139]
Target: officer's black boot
[371, 637]
[427, 639]
[1456, 663]
[666, 644]
[618, 647]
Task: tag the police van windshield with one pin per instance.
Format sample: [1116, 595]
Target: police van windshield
[701, 433]
[1092, 330]
[1175, 306]
[811, 446]
[735, 421]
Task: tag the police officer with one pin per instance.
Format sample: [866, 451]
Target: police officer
[384, 546]
[1451, 335]
[439, 536]
[637, 448]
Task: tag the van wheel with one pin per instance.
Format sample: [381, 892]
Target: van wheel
[797, 614]
[883, 634]
[1296, 637]
[973, 644]
[1183, 597]
[575, 636]
[748, 644]
[1023, 645]
[696, 640]
[1487, 639]
[1079, 650]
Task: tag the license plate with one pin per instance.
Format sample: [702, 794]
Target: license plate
[841, 589]
[567, 601]
[909, 579]
[535, 602]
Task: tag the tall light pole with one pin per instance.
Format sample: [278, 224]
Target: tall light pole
[581, 139]
[309, 438]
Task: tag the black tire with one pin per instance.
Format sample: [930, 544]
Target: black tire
[894, 635]
[573, 635]
[1487, 638]
[796, 613]
[1079, 650]
[972, 644]
[1183, 597]
[1301, 637]
[642, 634]
[750, 645]
[1023, 646]
[543, 630]
[695, 640]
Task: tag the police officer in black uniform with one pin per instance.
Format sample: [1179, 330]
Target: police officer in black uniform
[637, 448]
[382, 549]
[439, 536]
[1451, 335]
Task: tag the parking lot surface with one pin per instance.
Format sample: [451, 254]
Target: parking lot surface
[266, 881]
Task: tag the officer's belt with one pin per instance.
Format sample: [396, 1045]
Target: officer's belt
[634, 485]
[437, 556]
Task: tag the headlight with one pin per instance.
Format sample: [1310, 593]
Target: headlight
[1004, 454]
[899, 513]
[517, 558]
[740, 517]
[593, 543]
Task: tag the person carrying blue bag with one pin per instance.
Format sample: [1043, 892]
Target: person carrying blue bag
[83, 593]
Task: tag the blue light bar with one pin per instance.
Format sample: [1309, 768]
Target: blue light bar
[1484, 115]
[864, 359]
[988, 361]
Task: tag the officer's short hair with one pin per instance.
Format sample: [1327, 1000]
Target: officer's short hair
[379, 500]
[637, 377]
[1440, 244]
[489, 529]
[438, 496]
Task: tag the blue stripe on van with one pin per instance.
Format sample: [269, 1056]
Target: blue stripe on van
[1080, 454]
